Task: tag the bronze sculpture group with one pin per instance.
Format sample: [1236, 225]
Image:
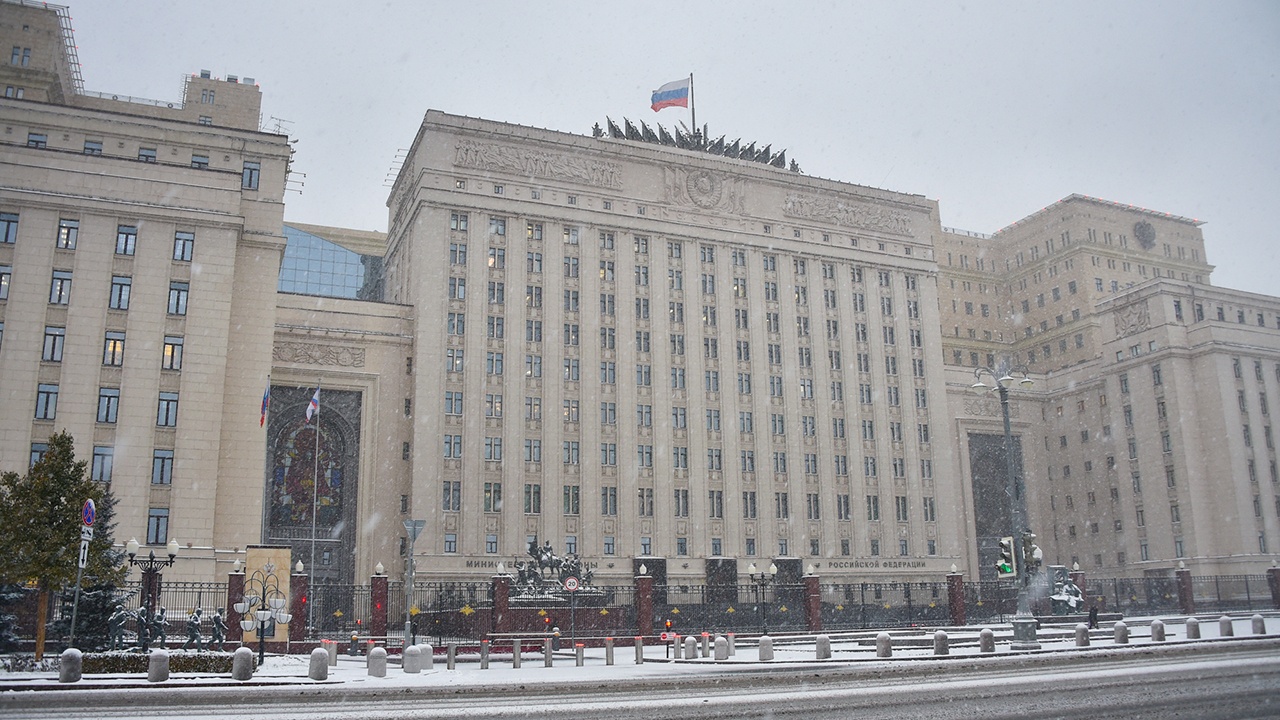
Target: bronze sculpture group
[154, 629]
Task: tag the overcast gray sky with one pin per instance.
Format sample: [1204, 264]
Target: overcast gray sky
[995, 109]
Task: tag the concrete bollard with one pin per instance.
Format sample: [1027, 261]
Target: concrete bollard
[319, 667]
[377, 662]
[546, 652]
[515, 653]
[1259, 625]
[451, 655]
[1121, 633]
[158, 666]
[242, 664]
[677, 648]
[412, 660]
[70, 665]
[333, 652]
[1082, 635]
[578, 649]
[822, 647]
[986, 641]
[733, 650]
[706, 644]
[1226, 626]
[1157, 631]
[608, 651]
[639, 650]
[428, 656]
[722, 649]
[484, 654]
[884, 645]
[766, 648]
[1193, 629]
[691, 648]
[941, 644]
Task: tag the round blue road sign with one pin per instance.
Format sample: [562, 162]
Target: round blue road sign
[89, 513]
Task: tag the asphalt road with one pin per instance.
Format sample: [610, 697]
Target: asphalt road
[1233, 680]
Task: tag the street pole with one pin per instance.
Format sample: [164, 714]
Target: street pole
[1024, 623]
[413, 528]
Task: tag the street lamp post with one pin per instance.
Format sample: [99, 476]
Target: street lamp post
[262, 598]
[1024, 624]
[762, 580]
[150, 567]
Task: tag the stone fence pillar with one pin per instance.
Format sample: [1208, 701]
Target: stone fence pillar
[813, 602]
[235, 594]
[955, 598]
[378, 605]
[1186, 596]
[501, 603]
[644, 605]
[299, 590]
[1273, 579]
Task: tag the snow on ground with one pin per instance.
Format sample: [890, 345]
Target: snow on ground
[847, 647]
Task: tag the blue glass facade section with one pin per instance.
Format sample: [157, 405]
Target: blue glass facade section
[315, 266]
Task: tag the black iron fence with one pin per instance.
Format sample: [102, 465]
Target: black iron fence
[464, 610]
[850, 606]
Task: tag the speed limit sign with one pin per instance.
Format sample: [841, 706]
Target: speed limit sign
[571, 584]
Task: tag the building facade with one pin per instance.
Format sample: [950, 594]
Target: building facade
[636, 348]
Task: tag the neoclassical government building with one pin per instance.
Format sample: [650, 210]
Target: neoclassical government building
[628, 344]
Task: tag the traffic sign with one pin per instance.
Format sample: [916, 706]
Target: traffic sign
[571, 584]
[89, 513]
[665, 636]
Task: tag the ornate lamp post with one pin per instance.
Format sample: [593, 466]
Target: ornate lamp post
[150, 567]
[262, 598]
[762, 580]
[1024, 624]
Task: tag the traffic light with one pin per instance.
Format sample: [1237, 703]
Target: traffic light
[1006, 564]
[1032, 555]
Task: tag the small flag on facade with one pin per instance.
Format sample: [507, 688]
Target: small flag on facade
[673, 94]
[314, 406]
[266, 403]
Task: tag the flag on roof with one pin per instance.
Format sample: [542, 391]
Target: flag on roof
[673, 94]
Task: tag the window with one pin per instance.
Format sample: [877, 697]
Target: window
[781, 506]
[113, 348]
[167, 410]
[60, 288]
[451, 542]
[54, 341]
[68, 231]
[178, 298]
[249, 177]
[157, 526]
[451, 500]
[162, 467]
[121, 286]
[108, 404]
[46, 401]
[172, 357]
[493, 497]
[609, 501]
[572, 499]
[200, 162]
[183, 245]
[873, 508]
[102, 462]
[37, 140]
[453, 447]
[147, 155]
[532, 499]
[6, 276]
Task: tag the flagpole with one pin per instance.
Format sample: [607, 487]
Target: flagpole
[315, 505]
[693, 114]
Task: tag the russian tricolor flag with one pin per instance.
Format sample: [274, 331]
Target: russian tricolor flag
[314, 406]
[673, 94]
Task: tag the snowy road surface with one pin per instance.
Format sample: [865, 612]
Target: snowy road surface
[1233, 679]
